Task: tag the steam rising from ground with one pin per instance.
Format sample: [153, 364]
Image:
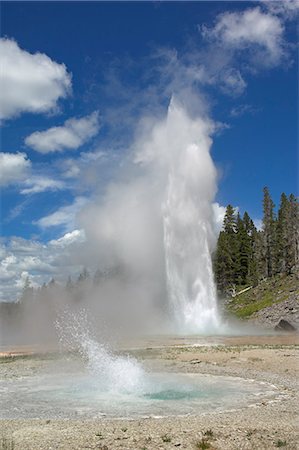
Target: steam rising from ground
[157, 221]
[152, 232]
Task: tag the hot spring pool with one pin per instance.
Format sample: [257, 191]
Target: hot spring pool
[80, 395]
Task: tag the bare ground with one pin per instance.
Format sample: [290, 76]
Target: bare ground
[267, 425]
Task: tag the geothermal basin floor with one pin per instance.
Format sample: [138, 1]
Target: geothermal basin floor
[268, 423]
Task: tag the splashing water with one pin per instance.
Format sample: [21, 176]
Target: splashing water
[119, 374]
[187, 221]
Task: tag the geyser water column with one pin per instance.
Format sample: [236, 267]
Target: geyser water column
[155, 220]
[187, 219]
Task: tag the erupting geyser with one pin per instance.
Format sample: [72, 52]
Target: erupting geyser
[156, 221]
[119, 374]
[116, 386]
[187, 217]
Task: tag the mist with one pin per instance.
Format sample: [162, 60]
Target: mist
[150, 237]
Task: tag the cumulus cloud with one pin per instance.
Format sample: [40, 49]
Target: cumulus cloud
[71, 168]
[13, 167]
[64, 216]
[288, 9]
[37, 184]
[251, 30]
[70, 136]
[68, 238]
[21, 258]
[29, 82]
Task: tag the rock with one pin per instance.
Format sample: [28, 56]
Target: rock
[284, 325]
[287, 310]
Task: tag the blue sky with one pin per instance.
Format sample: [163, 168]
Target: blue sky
[70, 113]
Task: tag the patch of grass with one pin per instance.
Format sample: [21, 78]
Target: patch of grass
[166, 438]
[124, 429]
[280, 443]
[267, 293]
[203, 444]
[247, 310]
[209, 433]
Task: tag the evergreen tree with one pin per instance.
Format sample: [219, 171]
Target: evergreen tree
[226, 254]
[229, 221]
[52, 283]
[223, 263]
[27, 291]
[281, 248]
[268, 233]
[243, 251]
[254, 250]
[84, 275]
[69, 284]
[245, 255]
[293, 234]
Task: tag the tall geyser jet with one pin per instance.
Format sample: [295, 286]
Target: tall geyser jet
[181, 147]
[156, 221]
[187, 218]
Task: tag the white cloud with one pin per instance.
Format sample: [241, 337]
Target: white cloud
[29, 82]
[250, 30]
[232, 82]
[69, 238]
[17, 210]
[258, 224]
[13, 167]
[218, 216]
[20, 258]
[64, 216]
[71, 168]
[71, 135]
[287, 8]
[240, 110]
[37, 184]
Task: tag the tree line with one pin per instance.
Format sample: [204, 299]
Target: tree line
[74, 289]
[245, 255]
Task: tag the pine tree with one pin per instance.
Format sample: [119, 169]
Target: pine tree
[293, 234]
[226, 254]
[243, 251]
[52, 283]
[229, 221]
[84, 275]
[245, 255]
[27, 291]
[268, 233]
[282, 240]
[223, 265]
[69, 284]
